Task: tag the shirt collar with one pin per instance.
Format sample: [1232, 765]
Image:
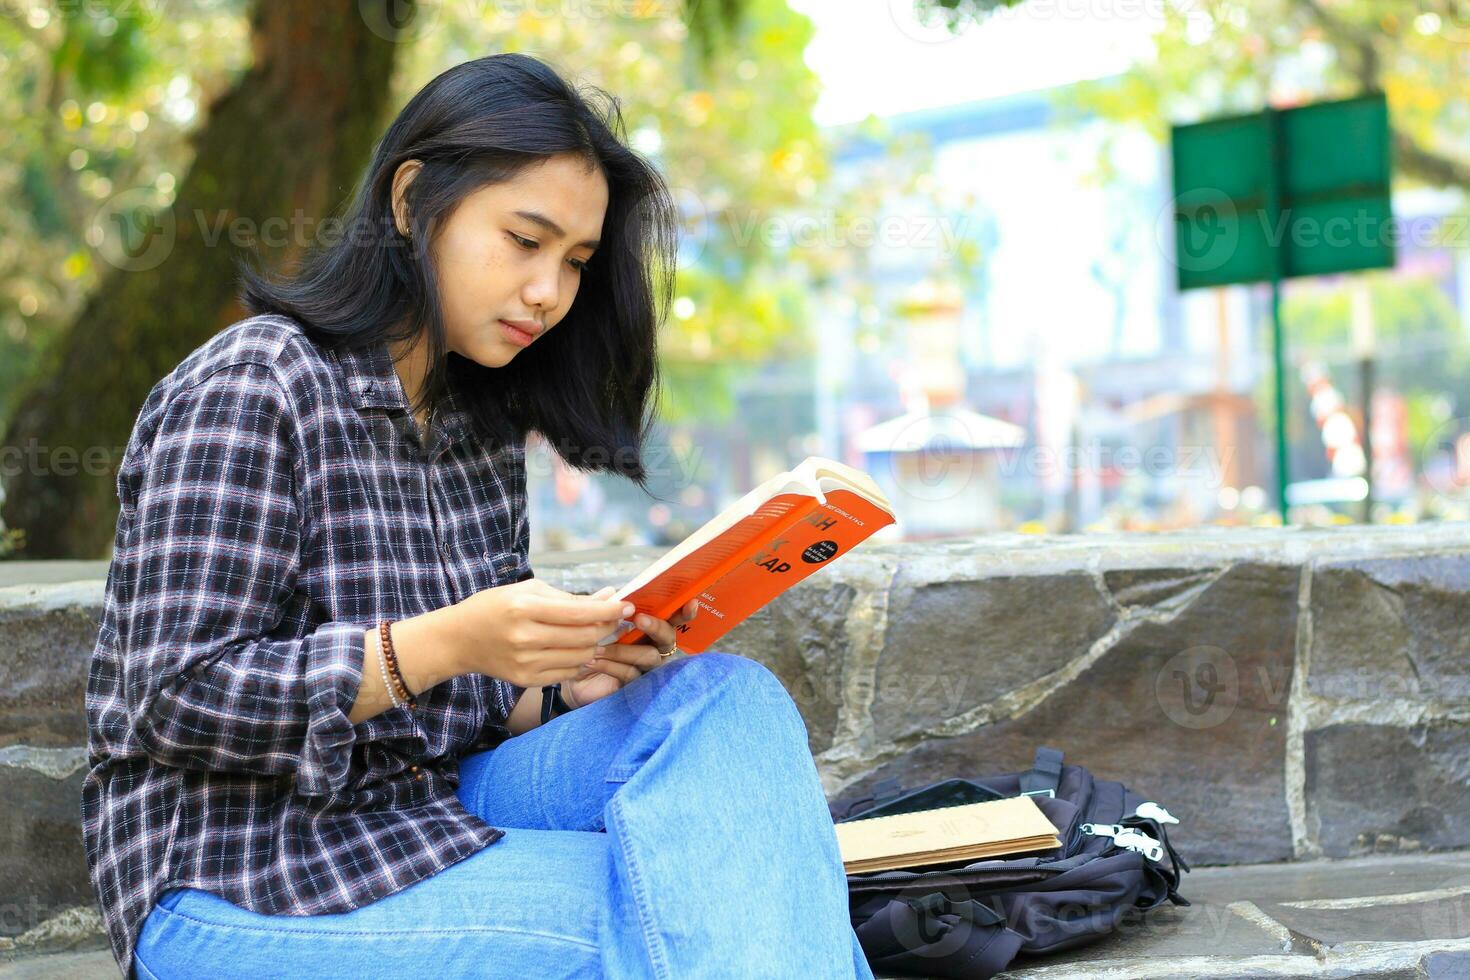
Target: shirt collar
[373, 383]
[371, 380]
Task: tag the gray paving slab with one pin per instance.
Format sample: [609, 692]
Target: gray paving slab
[13, 573]
[1394, 917]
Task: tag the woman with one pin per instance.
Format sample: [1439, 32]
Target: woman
[317, 737]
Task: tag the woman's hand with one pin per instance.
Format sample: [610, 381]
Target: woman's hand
[619, 663]
[531, 633]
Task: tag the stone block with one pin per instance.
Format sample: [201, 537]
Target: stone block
[803, 638]
[43, 861]
[1394, 627]
[1191, 712]
[1386, 789]
[49, 633]
[954, 645]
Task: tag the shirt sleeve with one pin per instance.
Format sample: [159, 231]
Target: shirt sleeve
[522, 539]
[507, 695]
[208, 569]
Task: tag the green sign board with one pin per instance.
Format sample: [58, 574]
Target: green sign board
[1282, 193]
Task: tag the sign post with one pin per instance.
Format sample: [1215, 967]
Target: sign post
[1278, 194]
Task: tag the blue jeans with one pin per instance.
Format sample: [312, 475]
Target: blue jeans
[675, 829]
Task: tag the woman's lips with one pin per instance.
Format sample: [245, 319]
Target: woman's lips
[516, 335]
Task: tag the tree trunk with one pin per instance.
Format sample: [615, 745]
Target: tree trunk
[288, 141]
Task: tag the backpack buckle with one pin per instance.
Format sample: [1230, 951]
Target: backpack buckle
[1150, 810]
[1127, 837]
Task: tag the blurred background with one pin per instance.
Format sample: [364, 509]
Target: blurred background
[933, 239]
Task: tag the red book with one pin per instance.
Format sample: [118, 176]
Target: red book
[773, 537]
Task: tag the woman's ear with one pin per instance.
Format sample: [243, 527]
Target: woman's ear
[402, 177]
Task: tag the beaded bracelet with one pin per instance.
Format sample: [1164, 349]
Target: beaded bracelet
[387, 681]
[386, 638]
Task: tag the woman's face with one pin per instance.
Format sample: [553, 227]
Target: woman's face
[512, 251]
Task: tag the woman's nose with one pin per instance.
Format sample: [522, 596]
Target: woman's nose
[541, 294]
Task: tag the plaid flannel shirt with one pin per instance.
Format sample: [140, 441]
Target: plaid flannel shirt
[277, 500]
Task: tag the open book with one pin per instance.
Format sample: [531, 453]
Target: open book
[755, 549]
[1013, 825]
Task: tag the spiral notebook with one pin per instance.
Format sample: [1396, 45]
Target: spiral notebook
[1014, 825]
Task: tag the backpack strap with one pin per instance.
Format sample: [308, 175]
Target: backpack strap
[887, 938]
[886, 789]
[1045, 774]
[938, 903]
[882, 791]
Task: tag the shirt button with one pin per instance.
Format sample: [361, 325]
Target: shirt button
[413, 768]
[419, 776]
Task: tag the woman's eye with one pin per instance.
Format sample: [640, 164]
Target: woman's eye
[527, 243]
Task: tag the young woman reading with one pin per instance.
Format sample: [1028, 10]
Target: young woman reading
[318, 740]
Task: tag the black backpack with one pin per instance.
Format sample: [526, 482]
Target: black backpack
[970, 920]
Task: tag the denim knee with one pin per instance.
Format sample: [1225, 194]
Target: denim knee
[754, 684]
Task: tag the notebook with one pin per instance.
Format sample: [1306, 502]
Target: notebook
[971, 831]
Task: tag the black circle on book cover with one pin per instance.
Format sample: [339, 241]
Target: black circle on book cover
[819, 552]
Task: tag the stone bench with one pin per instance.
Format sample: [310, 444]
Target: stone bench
[1290, 694]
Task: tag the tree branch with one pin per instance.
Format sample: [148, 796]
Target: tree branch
[1429, 166]
[1413, 158]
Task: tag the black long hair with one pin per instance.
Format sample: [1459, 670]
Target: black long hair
[588, 385]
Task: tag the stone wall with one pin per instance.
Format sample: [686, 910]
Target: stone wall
[1288, 694]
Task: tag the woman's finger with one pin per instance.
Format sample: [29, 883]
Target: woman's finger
[686, 614]
[622, 671]
[662, 633]
[639, 655]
